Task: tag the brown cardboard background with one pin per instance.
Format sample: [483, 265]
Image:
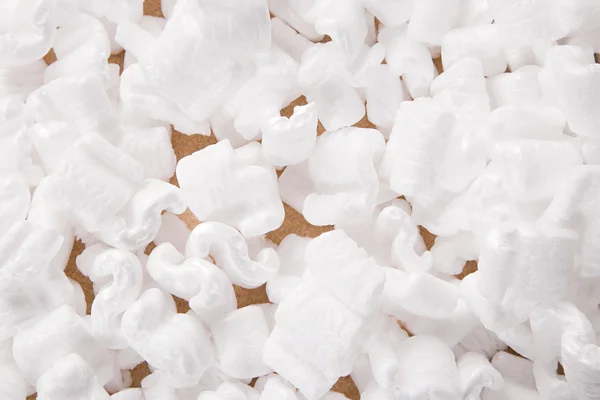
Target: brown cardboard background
[294, 223]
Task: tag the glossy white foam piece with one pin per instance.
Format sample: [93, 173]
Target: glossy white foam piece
[383, 364]
[235, 33]
[590, 151]
[198, 281]
[517, 373]
[291, 253]
[377, 234]
[219, 186]
[139, 220]
[288, 39]
[482, 42]
[518, 87]
[344, 184]
[289, 141]
[374, 392]
[120, 10]
[461, 89]
[482, 341]
[519, 56]
[151, 24]
[27, 31]
[31, 284]
[276, 388]
[408, 249]
[334, 261]
[19, 82]
[409, 59]
[68, 108]
[563, 331]
[371, 38]
[261, 97]
[129, 394]
[167, 7]
[308, 347]
[222, 125]
[384, 93]
[574, 205]
[39, 346]
[476, 373]
[391, 13]
[230, 390]
[70, 378]
[229, 249]
[152, 148]
[175, 344]
[576, 78]
[549, 383]
[94, 182]
[141, 102]
[121, 380]
[526, 121]
[172, 230]
[451, 253]
[432, 19]
[427, 369]
[239, 339]
[324, 77]
[156, 387]
[521, 267]
[117, 277]
[450, 329]
[334, 396]
[491, 315]
[48, 215]
[12, 385]
[527, 23]
[15, 145]
[475, 12]
[82, 47]
[403, 293]
[520, 339]
[14, 200]
[417, 144]
[284, 11]
[533, 169]
[343, 21]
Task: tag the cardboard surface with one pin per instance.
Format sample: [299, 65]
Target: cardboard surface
[294, 223]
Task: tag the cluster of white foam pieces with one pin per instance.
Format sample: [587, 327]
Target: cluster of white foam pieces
[497, 155]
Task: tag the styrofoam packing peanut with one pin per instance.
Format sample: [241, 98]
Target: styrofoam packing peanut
[284, 10]
[230, 249]
[496, 154]
[204, 285]
[289, 141]
[409, 59]
[324, 77]
[216, 196]
[82, 47]
[32, 285]
[27, 31]
[343, 21]
[239, 339]
[101, 263]
[286, 38]
[333, 194]
[70, 378]
[55, 336]
[175, 344]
